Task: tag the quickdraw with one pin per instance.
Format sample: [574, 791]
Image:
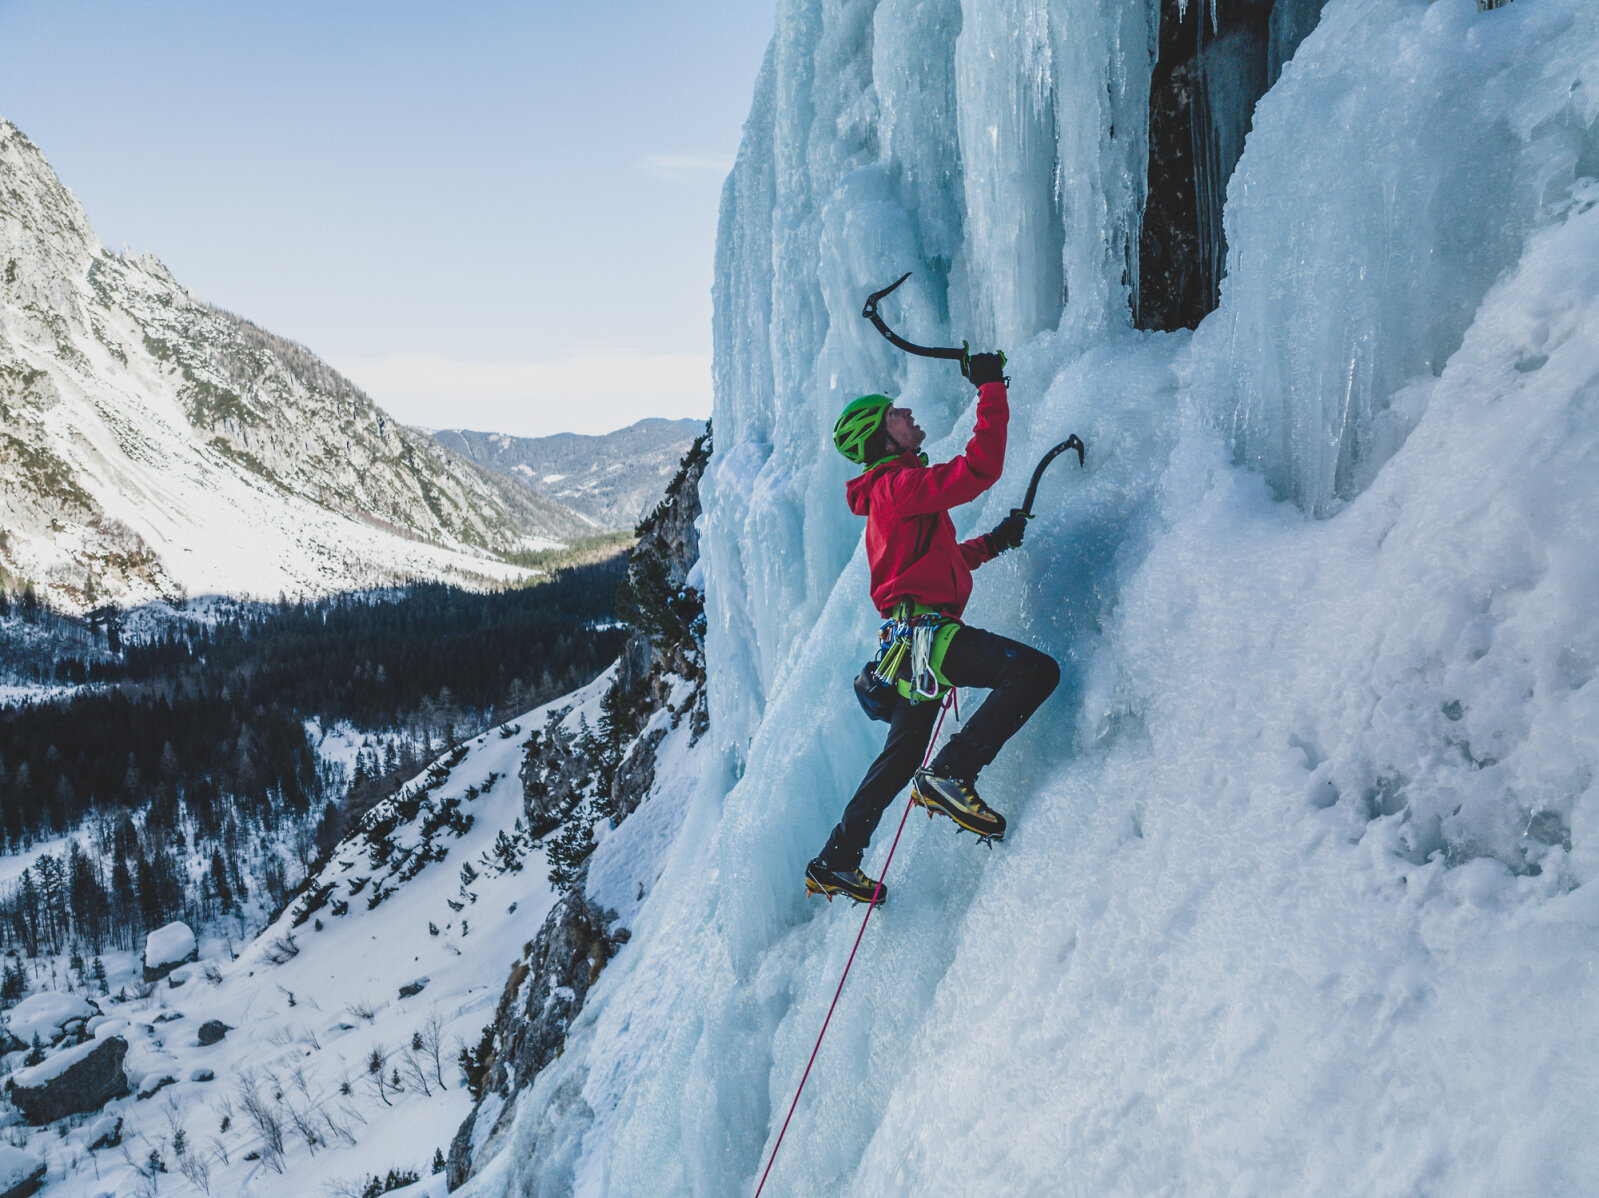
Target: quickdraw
[922, 635]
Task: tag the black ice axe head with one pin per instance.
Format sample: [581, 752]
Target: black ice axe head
[961, 355]
[1071, 442]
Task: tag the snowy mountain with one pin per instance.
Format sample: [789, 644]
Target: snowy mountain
[152, 444]
[1301, 891]
[615, 479]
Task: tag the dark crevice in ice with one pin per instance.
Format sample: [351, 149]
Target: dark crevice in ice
[1209, 73]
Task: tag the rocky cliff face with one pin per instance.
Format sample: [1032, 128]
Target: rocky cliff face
[151, 443]
[572, 782]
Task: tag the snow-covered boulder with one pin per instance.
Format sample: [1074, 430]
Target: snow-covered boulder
[48, 1014]
[154, 1081]
[167, 948]
[75, 1080]
[21, 1173]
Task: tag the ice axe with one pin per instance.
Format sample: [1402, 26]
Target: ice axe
[961, 355]
[1071, 442]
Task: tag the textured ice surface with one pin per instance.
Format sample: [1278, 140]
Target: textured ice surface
[1383, 191]
[1301, 891]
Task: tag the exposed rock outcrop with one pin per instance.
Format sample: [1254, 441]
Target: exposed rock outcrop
[541, 997]
[212, 1031]
[1213, 65]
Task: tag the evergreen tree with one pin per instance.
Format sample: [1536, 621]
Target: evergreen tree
[13, 982]
[91, 906]
[219, 881]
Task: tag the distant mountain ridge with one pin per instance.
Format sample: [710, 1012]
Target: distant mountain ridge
[615, 479]
[152, 444]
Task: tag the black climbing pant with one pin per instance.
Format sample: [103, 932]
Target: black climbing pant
[1021, 678]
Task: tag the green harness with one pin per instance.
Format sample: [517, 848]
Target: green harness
[911, 647]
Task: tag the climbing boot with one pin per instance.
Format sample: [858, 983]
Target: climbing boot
[958, 800]
[822, 878]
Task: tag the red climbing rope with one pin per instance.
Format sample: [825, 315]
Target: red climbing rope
[870, 907]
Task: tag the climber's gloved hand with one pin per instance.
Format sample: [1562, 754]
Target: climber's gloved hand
[986, 368]
[1008, 532]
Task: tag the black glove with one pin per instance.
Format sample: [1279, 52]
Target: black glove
[1007, 533]
[985, 368]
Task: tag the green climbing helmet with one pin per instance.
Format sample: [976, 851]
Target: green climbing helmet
[856, 424]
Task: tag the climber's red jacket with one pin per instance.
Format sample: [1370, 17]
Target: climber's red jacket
[910, 539]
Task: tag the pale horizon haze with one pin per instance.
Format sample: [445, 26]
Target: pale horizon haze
[489, 216]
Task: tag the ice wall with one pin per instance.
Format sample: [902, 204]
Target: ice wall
[1300, 895]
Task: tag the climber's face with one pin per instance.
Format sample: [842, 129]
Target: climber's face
[902, 429]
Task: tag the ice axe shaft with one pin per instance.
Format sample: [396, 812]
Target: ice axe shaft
[961, 355]
[1071, 442]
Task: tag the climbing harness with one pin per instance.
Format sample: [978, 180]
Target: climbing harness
[870, 907]
[963, 355]
[910, 659]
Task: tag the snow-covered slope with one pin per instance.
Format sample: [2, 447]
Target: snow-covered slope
[1302, 888]
[406, 933]
[152, 444]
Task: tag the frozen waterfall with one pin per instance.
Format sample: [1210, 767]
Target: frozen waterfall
[1302, 891]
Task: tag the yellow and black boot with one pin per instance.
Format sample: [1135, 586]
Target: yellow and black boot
[959, 801]
[822, 878]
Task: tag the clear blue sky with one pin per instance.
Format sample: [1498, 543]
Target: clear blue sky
[498, 215]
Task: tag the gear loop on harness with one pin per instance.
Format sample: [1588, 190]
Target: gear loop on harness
[911, 647]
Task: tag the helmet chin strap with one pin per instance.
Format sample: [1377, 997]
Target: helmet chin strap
[893, 457]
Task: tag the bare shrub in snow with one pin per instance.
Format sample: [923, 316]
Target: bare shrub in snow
[432, 1035]
[414, 1068]
[282, 950]
[335, 1129]
[265, 1118]
[305, 1125]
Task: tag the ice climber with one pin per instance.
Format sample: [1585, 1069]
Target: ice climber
[921, 579]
